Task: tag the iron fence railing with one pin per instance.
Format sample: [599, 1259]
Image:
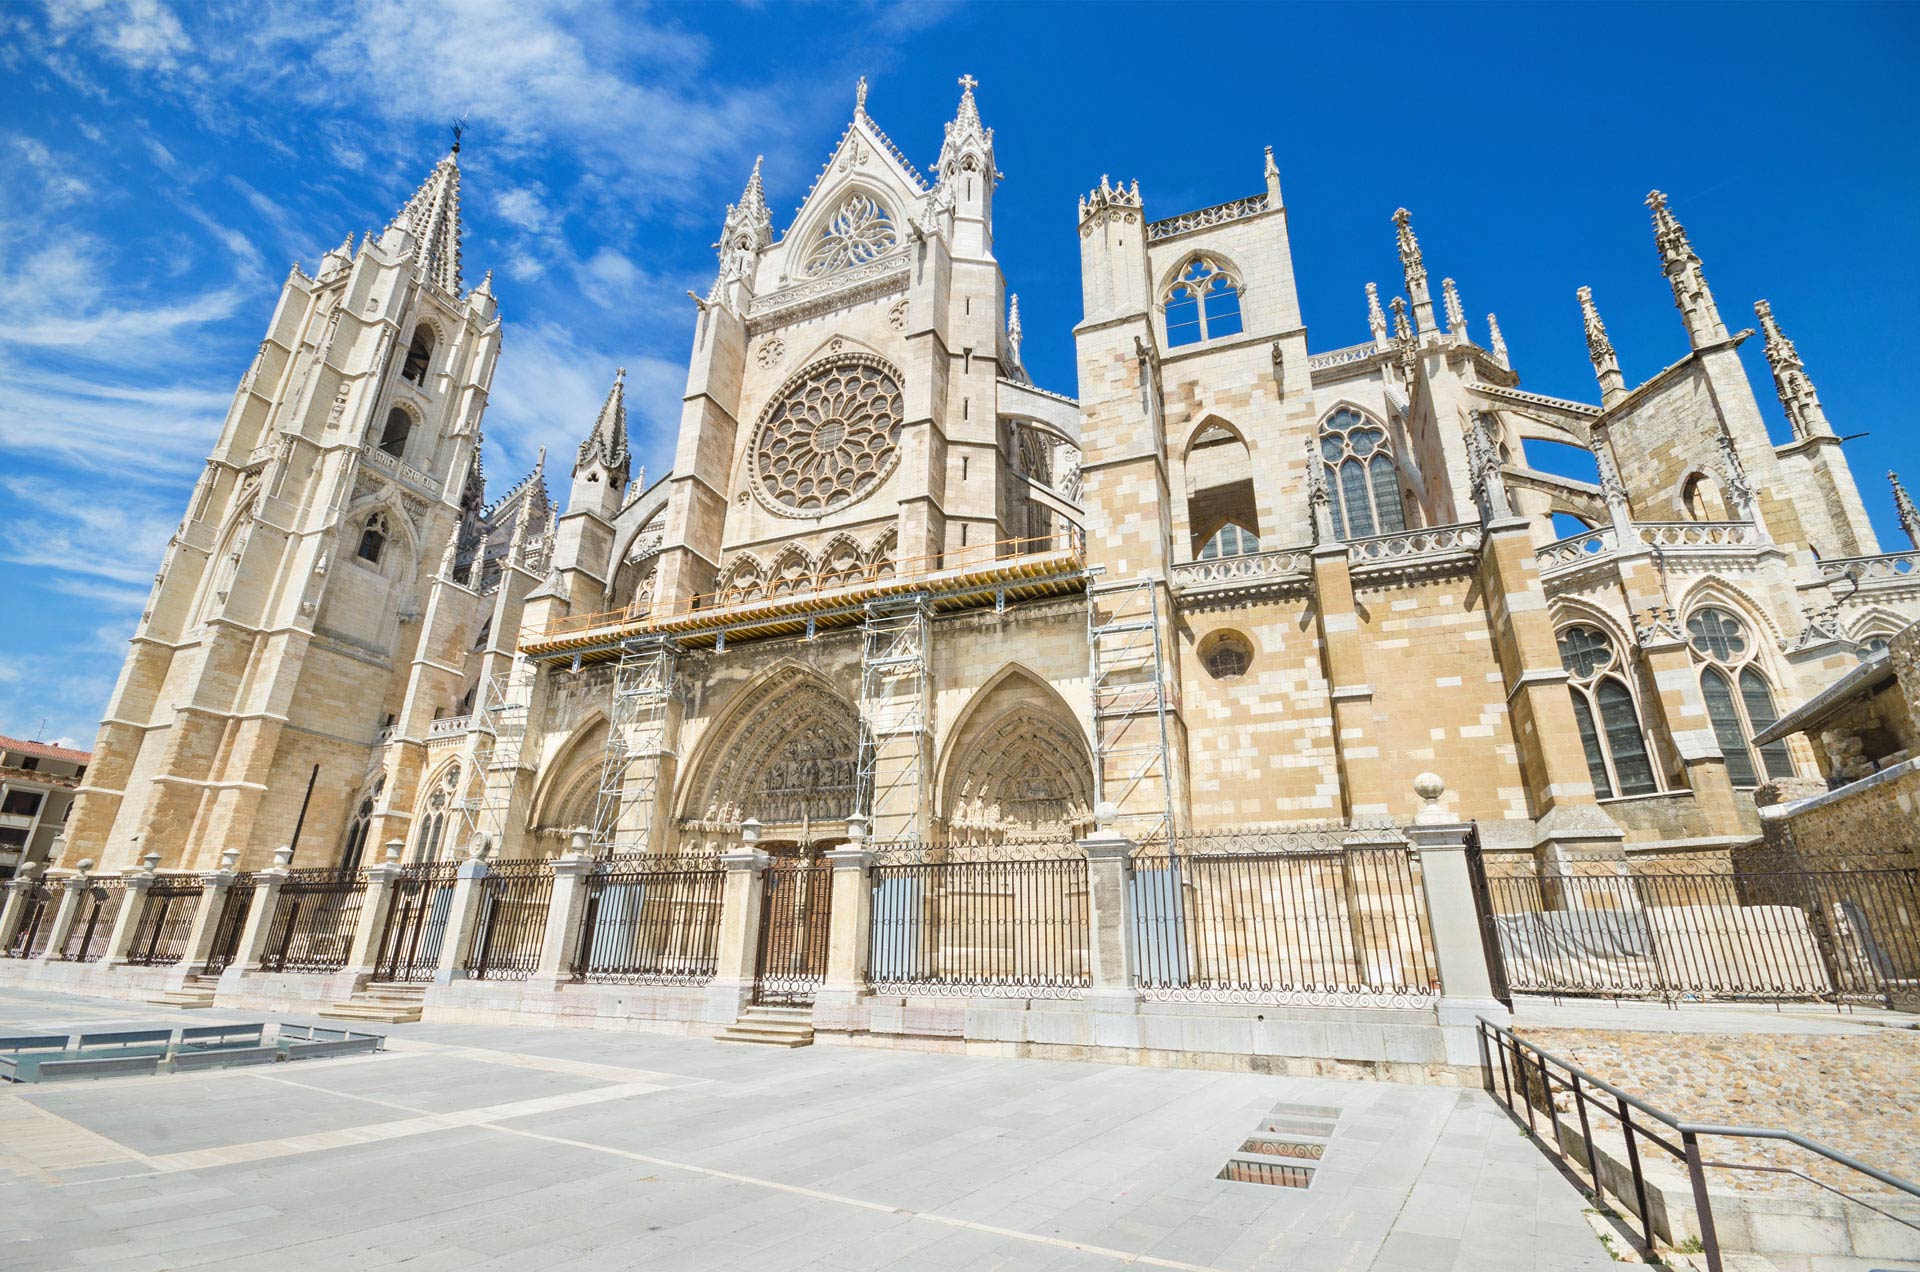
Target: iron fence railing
[314, 920]
[980, 927]
[1851, 935]
[512, 921]
[1536, 1081]
[235, 905]
[416, 922]
[796, 913]
[650, 926]
[1300, 921]
[93, 922]
[166, 920]
[36, 923]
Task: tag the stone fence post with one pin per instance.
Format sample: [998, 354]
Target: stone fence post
[19, 888]
[463, 915]
[363, 954]
[565, 912]
[214, 888]
[1110, 950]
[73, 890]
[126, 924]
[252, 950]
[836, 1006]
[1453, 919]
[741, 897]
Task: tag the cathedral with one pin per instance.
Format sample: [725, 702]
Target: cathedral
[894, 590]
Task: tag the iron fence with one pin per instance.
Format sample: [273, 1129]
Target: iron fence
[981, 927]
[1299, 920]
[93, 923]
[36, 923]
[512, 922]
[314, 920]
[1790, 934]
[650, 926]
[416, 924]
[796, 914]
[166, 920]
[235, 905]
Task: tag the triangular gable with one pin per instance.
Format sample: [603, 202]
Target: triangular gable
[865, 156]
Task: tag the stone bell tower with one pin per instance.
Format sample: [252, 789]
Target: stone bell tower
[260, 693]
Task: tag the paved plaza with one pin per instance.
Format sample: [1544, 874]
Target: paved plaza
[489, 1147]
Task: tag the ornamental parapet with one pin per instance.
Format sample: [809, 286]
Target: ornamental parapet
[1437, 549]
[1887, 572]
[1218, 214]
[1576, 550]
[1344, 357]
[1699, 534]
[1261, 570]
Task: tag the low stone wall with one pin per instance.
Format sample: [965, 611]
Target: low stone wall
[1872, 824]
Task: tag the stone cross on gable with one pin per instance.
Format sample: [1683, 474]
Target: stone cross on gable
[968, 82]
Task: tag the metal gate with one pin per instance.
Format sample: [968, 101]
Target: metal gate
[165, 922]
[36, 923]
[416, 922]
[234, 909]
[1489, 930]
[796, 912]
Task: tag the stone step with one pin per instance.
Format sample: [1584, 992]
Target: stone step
[772, 1027]
[189, 998]
[391, 1014]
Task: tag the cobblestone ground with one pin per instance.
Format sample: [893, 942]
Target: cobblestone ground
[1859, 1093]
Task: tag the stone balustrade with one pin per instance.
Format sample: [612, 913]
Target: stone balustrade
[1889, 569]
[1218, 214]
[1578, 549]
[449, 727]
[1341, 357]
[1698, 534]
[1437, 541]
[1234, 571]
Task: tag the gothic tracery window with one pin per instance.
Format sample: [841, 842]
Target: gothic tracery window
[1362, 477]
[373, 539]
[1603, 708]
[1226, 655]
[860, 229]
[1230, 540]
[1738, 695]
[419, 355]
[1203, 304]
[435, 833]
[830, 438]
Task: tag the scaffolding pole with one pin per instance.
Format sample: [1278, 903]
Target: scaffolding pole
[894, 690]
[500, 735]
[1127, 671]
[642, 691]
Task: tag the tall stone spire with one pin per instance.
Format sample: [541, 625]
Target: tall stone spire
[432, 219]
[1456, 316]
[1690, 292]
[966, 135]
[1272, 174]
[1804, 412]
[1376, 321]
[1015, 334]
[606, 445]
[1497, 343]
[1904, 509]
[1416, 271]
[1606, 364]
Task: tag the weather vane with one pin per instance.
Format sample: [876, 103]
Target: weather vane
[459, 126]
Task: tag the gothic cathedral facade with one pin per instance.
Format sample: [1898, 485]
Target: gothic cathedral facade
[891, 588]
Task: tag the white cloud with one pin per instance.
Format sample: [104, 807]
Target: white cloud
[548, 392]
[63, 295]
[143, 34]
[526, 208]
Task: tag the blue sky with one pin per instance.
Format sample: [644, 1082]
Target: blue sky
[164, 164]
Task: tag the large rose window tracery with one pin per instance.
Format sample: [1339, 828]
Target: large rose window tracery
[830, 438]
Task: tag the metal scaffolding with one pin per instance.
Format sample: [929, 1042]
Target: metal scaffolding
[500, 733]
[894, 690]
[1127, 671]
[643, 684]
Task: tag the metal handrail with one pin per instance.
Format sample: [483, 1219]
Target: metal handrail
[1687, 1151]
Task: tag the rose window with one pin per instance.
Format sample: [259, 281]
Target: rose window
[859, 231]
[830, 438]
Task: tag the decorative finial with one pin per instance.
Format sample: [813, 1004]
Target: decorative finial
[1376, 320]
[1456, 315]
[1272, 169]
[1497, 343]
[1681, 265]
[1606, 365]
[1414, 265]
[859, 105]
[1904, 509]
[1790, 379]
[620, 375]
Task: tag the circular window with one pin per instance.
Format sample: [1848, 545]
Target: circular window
[1718, 635]
[1226, 655]
[830, 438]
[1585, 652]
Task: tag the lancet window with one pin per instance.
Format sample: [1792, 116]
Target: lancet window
[1362, 476]
[1604, 710]
[419, 356]
[1738, 695]
[393, 438]
[1203, 304]
[373, 539]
